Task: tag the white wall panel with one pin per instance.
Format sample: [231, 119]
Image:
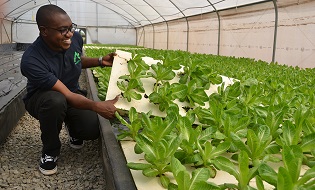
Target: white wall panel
[112, 36]
[25, 33]
[203, 34]
[5, 32]
[247, 33]
[149, 35]
[178, 35]
[296, 39]
[161, 36]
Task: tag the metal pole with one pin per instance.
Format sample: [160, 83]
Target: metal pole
[219, 29]
[186, 22]
[163, 19]
[10, 40]
[97, 29]
[136, 37]
[147, 20]
[1, 30]
[275, 32]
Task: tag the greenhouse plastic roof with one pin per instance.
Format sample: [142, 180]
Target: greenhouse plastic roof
[119, 13]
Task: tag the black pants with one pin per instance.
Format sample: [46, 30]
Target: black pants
[51, 109]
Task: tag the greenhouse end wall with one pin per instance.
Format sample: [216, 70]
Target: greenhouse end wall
[246, 31]
[112, 35]
[27, 33]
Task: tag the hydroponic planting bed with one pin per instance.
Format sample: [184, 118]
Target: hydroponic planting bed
[247, 142]
[144, 105]
[12, 89]
[11, 78]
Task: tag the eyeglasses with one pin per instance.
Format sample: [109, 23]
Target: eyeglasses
[64, 31]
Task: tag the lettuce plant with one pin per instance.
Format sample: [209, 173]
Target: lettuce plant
[196, 93]
[158, 155]
[288, 176]
[104, 74]
[162, 96]
[197, 180]
[161, 73]
[195, 148]
[256, 145]
[133, 127]
[158, 145]
[243, 173]
[131, 85]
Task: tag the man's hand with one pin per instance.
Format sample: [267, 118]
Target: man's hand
[108, 59]
[106, 108]
[105, 61]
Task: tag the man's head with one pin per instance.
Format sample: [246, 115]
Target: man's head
[55, 26]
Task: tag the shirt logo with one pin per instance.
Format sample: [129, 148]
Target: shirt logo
[76, 58]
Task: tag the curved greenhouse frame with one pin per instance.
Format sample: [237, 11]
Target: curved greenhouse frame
[269, 30]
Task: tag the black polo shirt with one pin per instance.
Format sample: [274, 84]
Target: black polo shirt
[43, 67]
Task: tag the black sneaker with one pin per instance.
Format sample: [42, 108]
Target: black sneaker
[73, 142]
[48, 164]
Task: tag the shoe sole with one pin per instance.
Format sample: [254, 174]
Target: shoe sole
[76, 146]
[48, 172]
[73, 145]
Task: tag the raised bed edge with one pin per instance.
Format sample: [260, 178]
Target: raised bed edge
[117, 174]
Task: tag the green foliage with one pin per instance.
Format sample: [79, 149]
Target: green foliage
[101, 75]
[134, 126]
[266, 116]
[131, 85]
[104, 75]
[255, 146]
[288, 176]
[243, 173]
[162, 96]
[198, 179]
[158, 153]
[161, 73]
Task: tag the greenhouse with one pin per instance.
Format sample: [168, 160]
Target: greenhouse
[278, 31]
[210, 94]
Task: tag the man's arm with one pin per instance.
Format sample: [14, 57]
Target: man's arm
[106, 61]
[105, 108]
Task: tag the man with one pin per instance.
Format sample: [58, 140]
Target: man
[52, 65]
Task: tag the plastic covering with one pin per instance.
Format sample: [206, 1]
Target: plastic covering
[271, 30]
[120, 12]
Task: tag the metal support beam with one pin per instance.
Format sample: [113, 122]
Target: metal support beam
[186, 22]
[124, 17]
[164, 21]
[147, 20]
[219, 29]
[275, 32]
